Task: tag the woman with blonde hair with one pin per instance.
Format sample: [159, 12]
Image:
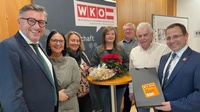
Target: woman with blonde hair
[75, 49]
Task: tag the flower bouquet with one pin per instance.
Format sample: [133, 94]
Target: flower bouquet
[110, 67]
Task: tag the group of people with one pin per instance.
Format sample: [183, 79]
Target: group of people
[55, 80]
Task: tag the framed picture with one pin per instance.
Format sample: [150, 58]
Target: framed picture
[161, 22]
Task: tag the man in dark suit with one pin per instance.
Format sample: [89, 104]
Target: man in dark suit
[26, 84]
[181, 88]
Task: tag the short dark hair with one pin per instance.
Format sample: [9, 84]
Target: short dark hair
[53, 32]
[181, 26]
[33, 7]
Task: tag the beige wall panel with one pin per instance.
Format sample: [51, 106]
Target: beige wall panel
[124, 14]
[12, 8]
[138, 14]
[171, 7]
[137, 11]
[129, 11]
[155, 7]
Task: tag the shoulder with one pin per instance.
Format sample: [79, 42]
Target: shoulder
[134, 40]
[193, 52]
[136, 48]
[120, 42]
[159, 46]
[122, 50]
[97, 49]
[9, 41]
[9, 44]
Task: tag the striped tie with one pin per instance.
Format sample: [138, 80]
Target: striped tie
[167, 70]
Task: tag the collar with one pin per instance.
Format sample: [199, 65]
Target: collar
[125, 41]
[180, 52]
[26, 39]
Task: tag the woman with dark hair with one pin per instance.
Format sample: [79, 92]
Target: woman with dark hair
[67, 72]
[109, 46]
[75, 49]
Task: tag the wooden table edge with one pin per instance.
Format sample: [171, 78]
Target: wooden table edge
[116, 81]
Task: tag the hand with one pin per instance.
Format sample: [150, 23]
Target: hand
[62, 95]
[90, 69]
[86, 68]
[131, 96]
[165, 106]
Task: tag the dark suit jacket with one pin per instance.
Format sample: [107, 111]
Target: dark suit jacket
[24, 83]
[183, 87]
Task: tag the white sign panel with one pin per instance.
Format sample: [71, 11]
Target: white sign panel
[94, 15]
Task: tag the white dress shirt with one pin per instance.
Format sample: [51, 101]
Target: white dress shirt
[140, 58]
[174, 61]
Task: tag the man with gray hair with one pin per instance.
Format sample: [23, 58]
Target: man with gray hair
[128, 43]
[129, 40]
[146, 54]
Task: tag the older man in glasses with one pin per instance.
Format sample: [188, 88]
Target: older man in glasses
[146, 54]
[129, 42]
[27, 80]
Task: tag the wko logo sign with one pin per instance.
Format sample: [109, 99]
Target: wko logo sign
[88, 14]
[88, 11]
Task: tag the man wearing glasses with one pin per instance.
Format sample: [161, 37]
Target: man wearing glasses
[181, 85]
[27, 80]
[128, 43]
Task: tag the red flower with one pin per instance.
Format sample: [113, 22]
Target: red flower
[114, 57]
[114, 61]
[120, 71]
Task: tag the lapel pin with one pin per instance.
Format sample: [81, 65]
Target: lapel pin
[184, 59]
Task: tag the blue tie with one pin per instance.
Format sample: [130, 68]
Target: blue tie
[35, 47]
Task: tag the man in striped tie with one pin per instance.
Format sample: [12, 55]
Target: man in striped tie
[181, 86]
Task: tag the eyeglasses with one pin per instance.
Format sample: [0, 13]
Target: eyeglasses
[56, 41]
[173, 37]
[32, 22]
[128, 29]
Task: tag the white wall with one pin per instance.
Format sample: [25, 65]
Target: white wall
[191, 10]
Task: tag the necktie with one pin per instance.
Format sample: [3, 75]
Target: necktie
[167, 69]
[35, 47]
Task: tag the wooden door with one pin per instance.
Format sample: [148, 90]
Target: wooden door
[9, 15]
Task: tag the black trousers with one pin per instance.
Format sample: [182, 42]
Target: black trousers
[127, 101]
[85, 103]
